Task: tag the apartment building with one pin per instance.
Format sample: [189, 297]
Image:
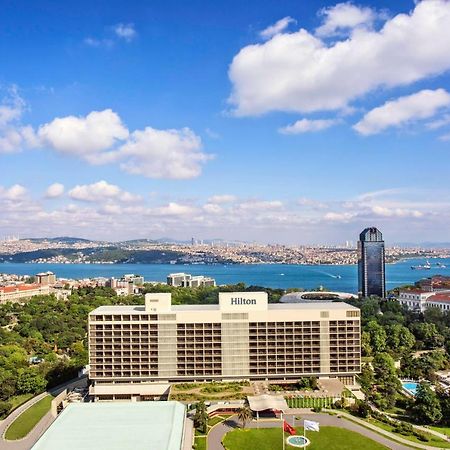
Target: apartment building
[243, 337]
[187, 280]
[45, 278]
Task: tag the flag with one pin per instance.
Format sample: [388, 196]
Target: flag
[311, 425]
[288, 428]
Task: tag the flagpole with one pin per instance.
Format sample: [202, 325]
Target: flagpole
[282, 429]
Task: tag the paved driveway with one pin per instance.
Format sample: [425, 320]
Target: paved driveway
[218, 432]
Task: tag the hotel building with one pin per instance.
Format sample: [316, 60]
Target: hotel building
[243, 337]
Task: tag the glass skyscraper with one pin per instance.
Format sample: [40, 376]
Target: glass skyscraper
[371, 275]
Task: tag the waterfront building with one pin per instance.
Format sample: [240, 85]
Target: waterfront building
[20, 292]
[241, 338]
[371, 263]
[119, 425]
[188, 280]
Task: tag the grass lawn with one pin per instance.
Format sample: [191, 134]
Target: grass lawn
[328, 438]
[443, 430]
[200, 443]
[18, 400]
[434, 441]
[28, 419]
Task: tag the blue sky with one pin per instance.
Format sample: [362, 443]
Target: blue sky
[289, 121]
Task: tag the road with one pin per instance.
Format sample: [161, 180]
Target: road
[27, 442]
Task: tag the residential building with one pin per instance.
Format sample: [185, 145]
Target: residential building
[20, 292]
[241, 338]
[371, 263]
[188, 280]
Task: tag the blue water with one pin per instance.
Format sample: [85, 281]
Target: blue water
[410, 387]
[270, 275]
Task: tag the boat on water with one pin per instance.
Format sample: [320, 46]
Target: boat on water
[441, 266]
[426, 266]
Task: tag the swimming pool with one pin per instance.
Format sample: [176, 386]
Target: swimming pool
[411, 387]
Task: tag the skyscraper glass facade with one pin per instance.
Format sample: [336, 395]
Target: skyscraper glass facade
[371, 263]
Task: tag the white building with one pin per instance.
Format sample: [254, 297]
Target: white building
[420, 300]
[187, 280]
[242, 337]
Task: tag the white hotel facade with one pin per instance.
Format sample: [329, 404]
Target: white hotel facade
[241, 338]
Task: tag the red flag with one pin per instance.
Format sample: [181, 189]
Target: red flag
[288, 428]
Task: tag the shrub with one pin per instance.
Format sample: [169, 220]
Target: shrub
[4, 409]
[421, 436]
[317, 409]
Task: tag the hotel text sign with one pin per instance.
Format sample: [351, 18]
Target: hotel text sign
[242, 301]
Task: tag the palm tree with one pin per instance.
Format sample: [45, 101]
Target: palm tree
[245, 414]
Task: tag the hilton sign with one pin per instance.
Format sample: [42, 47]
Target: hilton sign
[242, 301]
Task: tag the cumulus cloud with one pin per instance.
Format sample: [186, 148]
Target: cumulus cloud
[125, 31]
[277, 27]
[13, 193]
[101, 191]
[439, 123]
[308, 125]
[404, 110]
[55, 190]
[163, 153]
[102, 138]
[301, 72]
[344, 17]
[87, 137]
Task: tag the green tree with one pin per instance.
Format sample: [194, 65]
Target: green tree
[428, 335]
[427, 408]
[201, 417]
[399, 338]
[387, 382]
[4, 409]
[29, 380]
[377, 336]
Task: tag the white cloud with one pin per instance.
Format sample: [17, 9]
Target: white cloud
[308, 125]
[439, 123]
[225, 198]
[156, 153]
[101, 191]
[100, 137]
[277, 27]
[445, 137]
[14, 193]
[55, 190]
[404, 110]
[174, 209]
[93, 42]
[395, 212]
[125, 31]
[87, 137]
[12, 134]
[344, 17]
[300, 72]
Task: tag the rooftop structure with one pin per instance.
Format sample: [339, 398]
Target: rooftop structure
[117, 426]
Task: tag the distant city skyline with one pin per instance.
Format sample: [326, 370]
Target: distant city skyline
[289, 122]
